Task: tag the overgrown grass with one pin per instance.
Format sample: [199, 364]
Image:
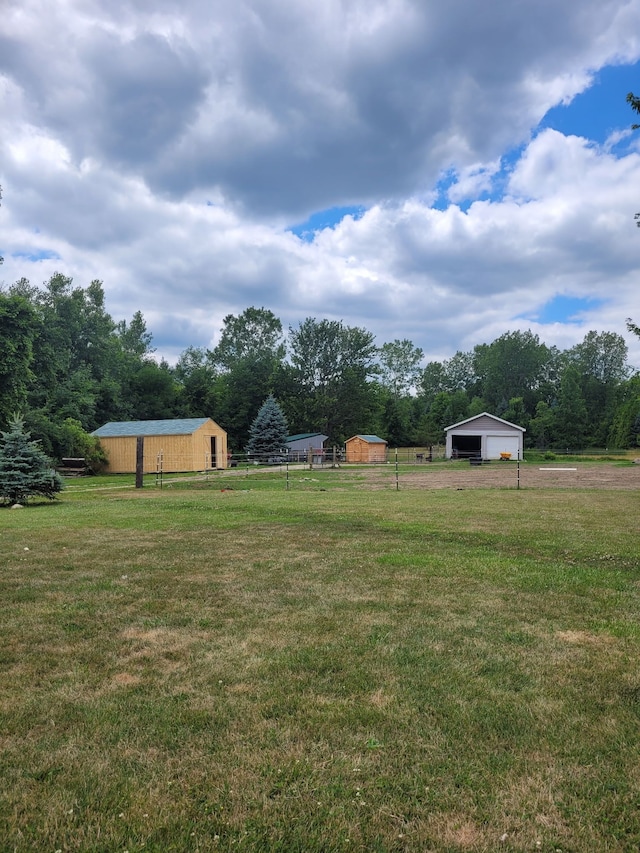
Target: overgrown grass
[196, 669]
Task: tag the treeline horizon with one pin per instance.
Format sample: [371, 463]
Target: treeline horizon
[67, 367]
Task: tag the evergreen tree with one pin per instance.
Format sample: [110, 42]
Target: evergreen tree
[25, 471]
[269, 430]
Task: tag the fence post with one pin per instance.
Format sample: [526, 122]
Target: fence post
[397, 480]
[139, 461]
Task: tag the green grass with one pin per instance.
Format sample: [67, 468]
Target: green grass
[191, 669]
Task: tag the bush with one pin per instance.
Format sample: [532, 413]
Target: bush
[76, 442]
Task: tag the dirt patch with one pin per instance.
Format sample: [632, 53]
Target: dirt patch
[505, 475]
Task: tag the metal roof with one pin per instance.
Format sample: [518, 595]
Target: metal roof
[303, 435]
[174, 426]
[370, 439]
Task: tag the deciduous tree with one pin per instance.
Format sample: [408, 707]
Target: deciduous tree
[400, 366]
[329, 389]
[18, 329]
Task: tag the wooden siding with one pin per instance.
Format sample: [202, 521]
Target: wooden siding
[359, 450]
[179, 452]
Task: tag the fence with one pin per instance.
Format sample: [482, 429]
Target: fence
[408, 468]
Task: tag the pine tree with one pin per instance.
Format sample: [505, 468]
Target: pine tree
[25, 470]
[268, 431]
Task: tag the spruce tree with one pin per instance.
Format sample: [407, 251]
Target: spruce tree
[25, 470]
[269, 430]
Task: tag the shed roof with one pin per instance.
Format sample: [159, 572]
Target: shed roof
[174, 426]
[301, 436]
[370, 439]
[485, 415]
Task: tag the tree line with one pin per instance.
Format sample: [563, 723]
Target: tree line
[67, 367]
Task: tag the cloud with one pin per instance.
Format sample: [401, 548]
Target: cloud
[165, 149]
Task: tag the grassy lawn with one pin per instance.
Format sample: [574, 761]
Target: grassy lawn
[322, 669]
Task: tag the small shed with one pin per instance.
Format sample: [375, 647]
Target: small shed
[366, 448]
[485, 436]
[305, 446]
[180, 444]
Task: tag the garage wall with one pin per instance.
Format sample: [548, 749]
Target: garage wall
[497, 444]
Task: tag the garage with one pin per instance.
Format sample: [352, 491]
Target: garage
[484, 436]
[498, 445]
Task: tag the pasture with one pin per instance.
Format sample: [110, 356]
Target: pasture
[228, 665]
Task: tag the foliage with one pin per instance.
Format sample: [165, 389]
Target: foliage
[625, 429]
[245, 364]
[400, 366]
[62, 357]
[80, 444]
[541, 426]
[571, 414]
[269, 431]
[327, 386]
[256, 334]
[512, 366]
[25, 471]
[18, 328]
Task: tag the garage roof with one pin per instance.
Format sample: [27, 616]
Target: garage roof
[485, 415]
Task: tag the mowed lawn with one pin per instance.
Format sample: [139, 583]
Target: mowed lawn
[190, 669]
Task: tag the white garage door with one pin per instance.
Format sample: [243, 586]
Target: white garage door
[497, 444]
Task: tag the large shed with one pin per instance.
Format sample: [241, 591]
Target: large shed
[181, 444]
[305, 446]
[365, 448]
[484, 436]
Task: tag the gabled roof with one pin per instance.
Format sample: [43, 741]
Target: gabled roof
[485, 415]
[370, 439]
[174, 426]
[301, 436]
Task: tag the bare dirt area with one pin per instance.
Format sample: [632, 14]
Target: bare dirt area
[504, 475]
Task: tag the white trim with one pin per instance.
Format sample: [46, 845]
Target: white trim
[485, 415]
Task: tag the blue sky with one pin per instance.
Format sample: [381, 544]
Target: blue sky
[600, 110]
[595, 114]
[356, 164]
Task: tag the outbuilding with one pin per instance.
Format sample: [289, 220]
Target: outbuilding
[366, 448]
[306, 446]
[485, 436]
[179, 444]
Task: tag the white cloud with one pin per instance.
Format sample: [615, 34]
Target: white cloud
[122, 121]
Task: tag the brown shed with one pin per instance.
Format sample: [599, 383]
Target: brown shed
[366, 448]
[181, 444]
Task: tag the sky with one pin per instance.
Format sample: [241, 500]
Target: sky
[438, 172]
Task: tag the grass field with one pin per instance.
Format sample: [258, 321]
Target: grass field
[321, 669]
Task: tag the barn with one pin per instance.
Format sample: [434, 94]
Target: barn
[306, 445]
[365, 448]
[484, 436]
[179, 444]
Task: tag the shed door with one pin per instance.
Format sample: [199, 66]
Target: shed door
[497, 444]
